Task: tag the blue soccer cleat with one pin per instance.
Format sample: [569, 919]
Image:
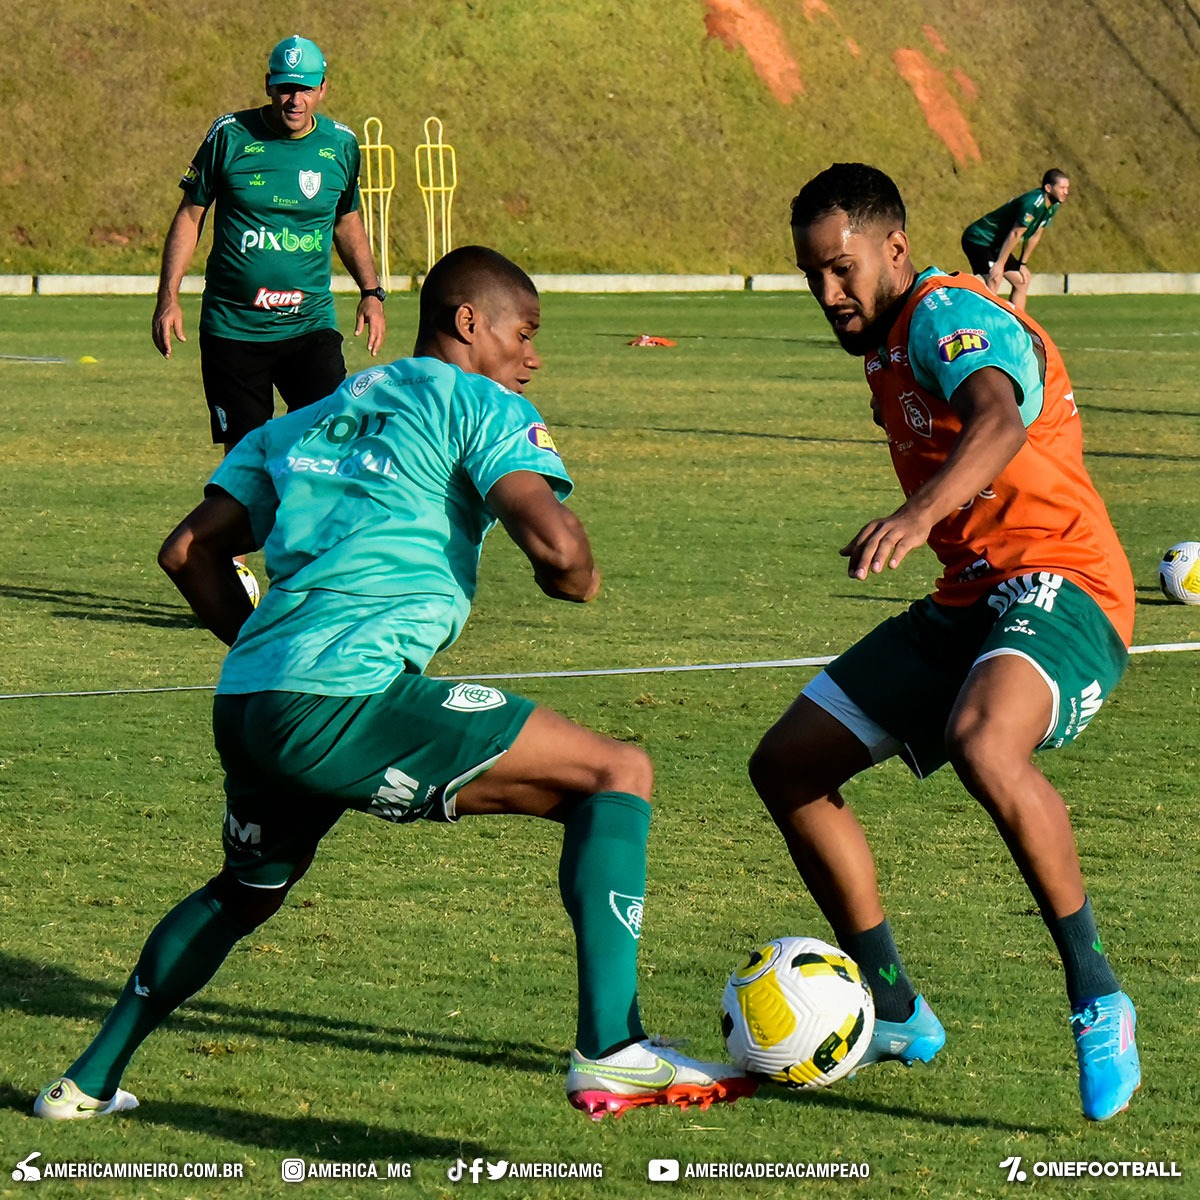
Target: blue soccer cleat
[1109, 1070]
[916, 1040]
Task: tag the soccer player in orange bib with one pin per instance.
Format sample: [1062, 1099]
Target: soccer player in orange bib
[1024, 637]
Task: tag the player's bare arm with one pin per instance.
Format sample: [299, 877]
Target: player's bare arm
[178, 250]
[551, 536]
[1029, 245]
[991, 436]
[198, 556]
[354, 249]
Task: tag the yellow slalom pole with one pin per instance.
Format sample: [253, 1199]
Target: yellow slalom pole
[437, 177]
[379, 172]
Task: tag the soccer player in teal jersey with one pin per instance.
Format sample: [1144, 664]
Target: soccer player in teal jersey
[282, 184]
[998, 246]
[371, 508]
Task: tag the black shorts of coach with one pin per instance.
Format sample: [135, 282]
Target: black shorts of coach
[240, 378]
[982, 258]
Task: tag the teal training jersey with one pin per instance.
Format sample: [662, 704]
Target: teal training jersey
[369, 508]
[1031, 212]
[955, 332]
[274, 201]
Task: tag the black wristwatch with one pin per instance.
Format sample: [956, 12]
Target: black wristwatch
[377, 292]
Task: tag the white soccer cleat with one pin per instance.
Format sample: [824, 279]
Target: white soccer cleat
[63, 1101]
[650, 1072]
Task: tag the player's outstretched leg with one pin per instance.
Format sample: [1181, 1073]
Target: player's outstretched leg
[992, 733]
[797, 770]
[182, 953]
[599, 789]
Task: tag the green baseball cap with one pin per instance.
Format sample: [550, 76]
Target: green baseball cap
[296, 60]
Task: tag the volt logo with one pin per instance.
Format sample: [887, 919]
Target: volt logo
[285, 240]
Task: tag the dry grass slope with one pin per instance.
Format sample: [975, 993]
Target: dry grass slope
[599, 136]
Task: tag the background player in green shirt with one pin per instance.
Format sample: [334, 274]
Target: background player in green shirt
[283, 183]
[999, 244]
[371, 507]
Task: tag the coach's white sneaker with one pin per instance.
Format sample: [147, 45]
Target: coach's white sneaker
[63, 1101]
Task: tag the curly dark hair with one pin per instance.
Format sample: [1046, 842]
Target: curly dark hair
[865, 194]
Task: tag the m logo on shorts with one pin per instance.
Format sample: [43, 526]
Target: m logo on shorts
[248, 834]
[628, 910]
[473, 697]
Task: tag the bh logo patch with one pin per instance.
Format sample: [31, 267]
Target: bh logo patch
[539, 435]
[474, 697]
[628, 910]
[962, 341]
[310, 183]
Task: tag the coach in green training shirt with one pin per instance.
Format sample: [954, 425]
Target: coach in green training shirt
[283, 183]
[999, 244]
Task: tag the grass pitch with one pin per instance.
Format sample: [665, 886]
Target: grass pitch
[413, 1003]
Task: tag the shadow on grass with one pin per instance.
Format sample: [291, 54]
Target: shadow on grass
[41, 990]
[88, 606]
[860, 1106]
[730, 433]
[311, 1137]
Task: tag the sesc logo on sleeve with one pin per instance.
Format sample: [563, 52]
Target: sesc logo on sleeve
[962, 341]
[539, 435]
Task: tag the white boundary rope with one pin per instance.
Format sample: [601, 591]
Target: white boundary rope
[1160, 648]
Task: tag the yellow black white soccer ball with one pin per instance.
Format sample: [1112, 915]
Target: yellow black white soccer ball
[1179, 573]
[798, 1012]
[248, 582]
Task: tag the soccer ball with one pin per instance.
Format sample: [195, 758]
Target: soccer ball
[798, 1012]
[1179, 573]
[248, 582]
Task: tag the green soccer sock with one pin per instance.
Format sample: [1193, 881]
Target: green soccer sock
[875, 952]
[181, 955]
[1087, 970]
[602, 880]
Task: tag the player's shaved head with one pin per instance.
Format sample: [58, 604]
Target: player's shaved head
[865, 194]
[471, 275]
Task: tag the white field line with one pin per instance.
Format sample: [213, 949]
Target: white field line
[1161, 648]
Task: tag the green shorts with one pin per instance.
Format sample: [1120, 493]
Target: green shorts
[295, 762]
[905, 675]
